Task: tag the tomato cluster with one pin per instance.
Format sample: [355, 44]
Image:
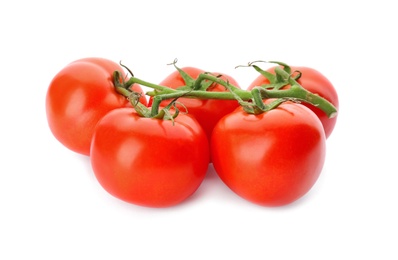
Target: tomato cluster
[159, 159]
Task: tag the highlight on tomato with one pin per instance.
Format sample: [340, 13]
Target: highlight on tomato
[315, 82]
[149, 162]
[272, 158]
[78, 96]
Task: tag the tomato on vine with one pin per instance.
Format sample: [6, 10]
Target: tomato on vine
[267, 143]
[151, 162]
[313, 81]
[272, 158]
[78, 96]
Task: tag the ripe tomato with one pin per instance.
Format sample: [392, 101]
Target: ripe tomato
[78, 96]
[110, 67]
[147, 161]
[206, 111]
[270, 159]
[317, 83]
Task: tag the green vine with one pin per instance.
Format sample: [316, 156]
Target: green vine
[252, 101]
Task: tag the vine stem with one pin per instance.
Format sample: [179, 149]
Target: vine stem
[294, 93]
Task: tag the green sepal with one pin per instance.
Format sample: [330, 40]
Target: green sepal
[284, 65]
[268, 75]
[188, 80]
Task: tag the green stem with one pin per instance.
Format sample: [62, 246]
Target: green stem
[159, 98]
[201, 94]
[204, 76]
[298, 93]
[295, 92]
[133, 80]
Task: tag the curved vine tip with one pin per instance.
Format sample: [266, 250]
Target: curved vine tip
[174, 62]
[124, 66]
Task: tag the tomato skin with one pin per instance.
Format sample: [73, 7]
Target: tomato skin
[315, 82]
[146, 161]
[271, 159]
[110, 67]
[206, 111]
[78, 96]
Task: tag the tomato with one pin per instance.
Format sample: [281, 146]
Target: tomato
[315, 82]
[206, 111]
[111, 66]
[270, 159]
[78, 96]
[147, 161]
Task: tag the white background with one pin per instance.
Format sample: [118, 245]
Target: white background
[51, 205]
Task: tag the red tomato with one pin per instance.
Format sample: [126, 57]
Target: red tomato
[313, 81]
[270, 159]
[110, 67]
[78, 96]
[146, 161]
[206, 111]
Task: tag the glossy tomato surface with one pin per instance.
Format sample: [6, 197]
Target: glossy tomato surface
[271, 159]
[149, 162]
[315, 82]
[78, 96]
[206, 111]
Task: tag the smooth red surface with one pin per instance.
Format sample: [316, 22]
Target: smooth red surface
[149, 162]
[78, 96]
[271, 159]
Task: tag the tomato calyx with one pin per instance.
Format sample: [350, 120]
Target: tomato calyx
[194, 84]
[123, 87]
[257, 105]
[278, 80]
[282, 78]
